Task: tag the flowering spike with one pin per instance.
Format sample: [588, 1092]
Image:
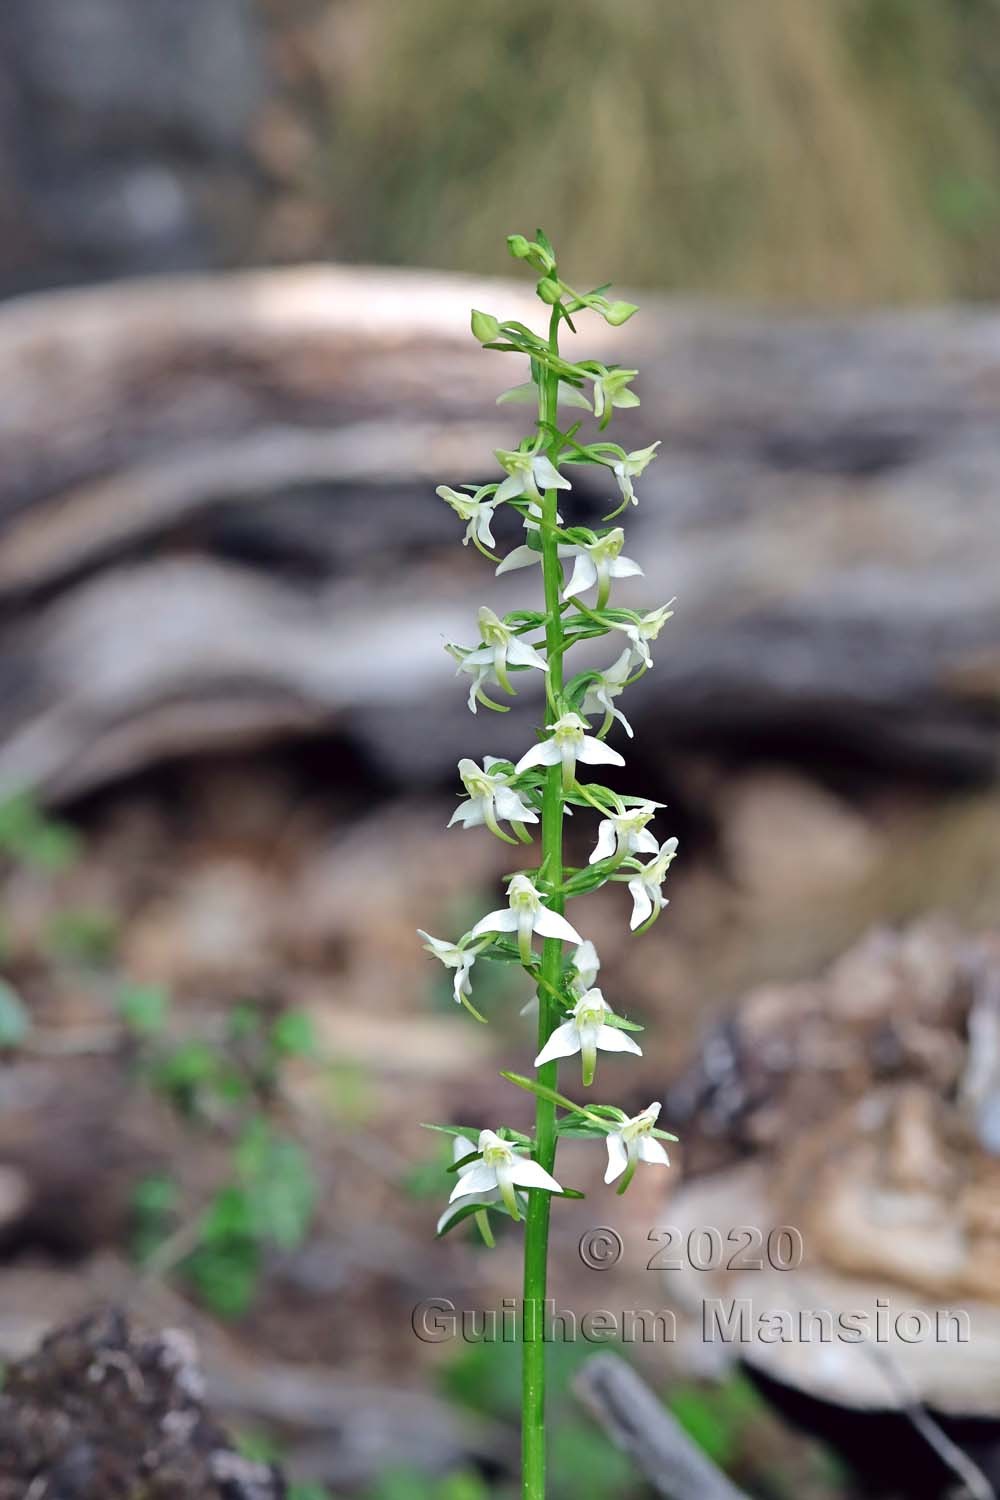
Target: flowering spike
[507, 1173]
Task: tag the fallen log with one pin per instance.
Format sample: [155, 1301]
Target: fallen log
[217, 496]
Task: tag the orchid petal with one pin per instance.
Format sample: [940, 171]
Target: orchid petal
[607, 842]
[530, 1174]
[596, 753]
[564, 1042]
[480, 1179]
[544, 754]
[503, 920]
[584, 576]
[642, 903]
[551, 925]
[521, 557]
[547, 476]
[617, 1157]
[651, 1150]
[520, 654]
[613, 1039]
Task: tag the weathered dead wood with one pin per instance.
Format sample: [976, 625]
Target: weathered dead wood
[220, 526]
[619, 1399]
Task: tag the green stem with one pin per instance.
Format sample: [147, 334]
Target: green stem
[536, 1241]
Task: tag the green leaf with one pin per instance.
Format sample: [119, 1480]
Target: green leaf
[577, 1130]
[542, 239]
[294, 1035]
[143, 1008]
[225, 1275]
[586, 880]
[243, 1021]
[156, 1194]
[14, 1020]
[466, 1211]
[188, 1069]
[28, 835]
[229, 1216]
[154, 1203]
[84, 936]
[589, 1467]
[280, 1186]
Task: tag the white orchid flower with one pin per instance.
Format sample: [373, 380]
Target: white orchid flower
[500, 650]
[632, 1143]
[647, 897]
[462, 1147]
[611, 389]
[595, 562]
[491, 797]
[528, 474]
[525, 914]
[568, 743]
[527, 395]
[606, 686]
[625, 833]
[477, 509]
[598, 562]
[630, 467]
[641, 632]
[504, 1170]
[587, 1032]
[482, 674]
[454, 956]
[585, 965]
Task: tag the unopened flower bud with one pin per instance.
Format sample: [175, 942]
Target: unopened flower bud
[535, 254]
[549, 290]
[485, 327]
[617, 313]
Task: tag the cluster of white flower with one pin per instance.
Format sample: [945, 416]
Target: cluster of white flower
[501, 1171]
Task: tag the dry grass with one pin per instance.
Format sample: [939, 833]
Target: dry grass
[811, 151]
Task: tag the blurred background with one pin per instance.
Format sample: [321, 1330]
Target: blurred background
[239, 240]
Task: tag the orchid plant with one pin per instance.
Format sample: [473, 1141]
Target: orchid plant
[500, 1170]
